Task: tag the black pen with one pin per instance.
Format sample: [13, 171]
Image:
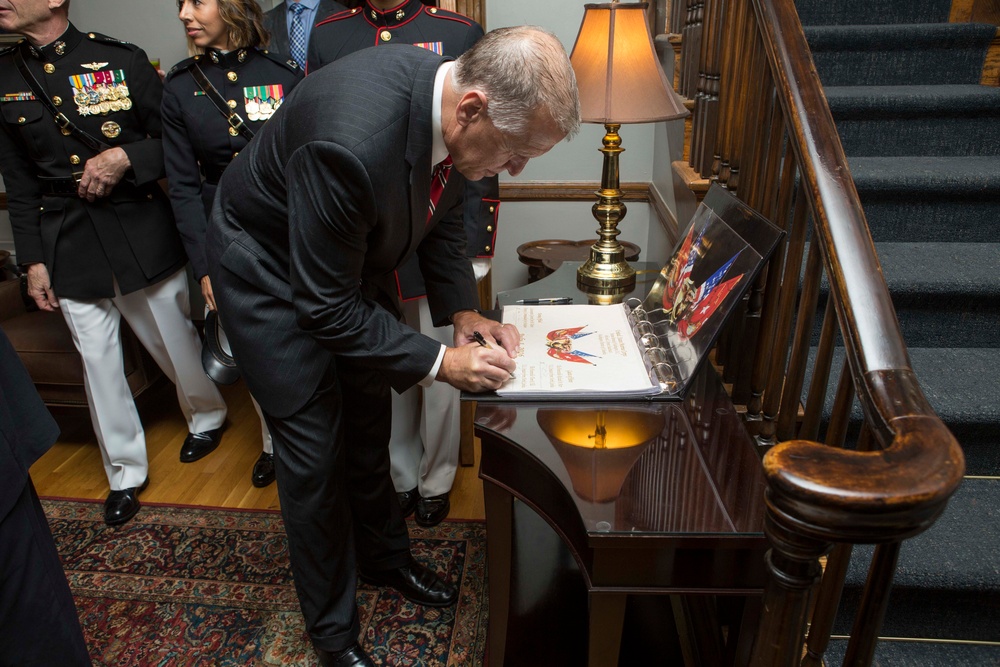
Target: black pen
[482, 342]
[547, 300]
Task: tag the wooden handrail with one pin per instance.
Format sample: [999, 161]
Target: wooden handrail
[769, 136]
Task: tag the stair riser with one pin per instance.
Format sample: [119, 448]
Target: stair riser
[978, 136]
[872, 12]
[899, 68]
[932, 220]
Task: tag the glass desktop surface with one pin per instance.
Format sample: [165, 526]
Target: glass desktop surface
[684, 468]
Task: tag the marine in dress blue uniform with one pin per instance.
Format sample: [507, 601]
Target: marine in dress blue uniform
[424, 446]
[118, 255]
[199, 143]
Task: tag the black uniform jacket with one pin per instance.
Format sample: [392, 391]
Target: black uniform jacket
[109, 89]
[316, 213]
[198, 141]
[442, 32]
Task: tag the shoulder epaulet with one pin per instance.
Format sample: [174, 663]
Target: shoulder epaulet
[104, 39]
[182, 66]
[285, 61]
[339, 16]
[438, 13]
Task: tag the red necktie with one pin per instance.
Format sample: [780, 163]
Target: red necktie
[439, 178]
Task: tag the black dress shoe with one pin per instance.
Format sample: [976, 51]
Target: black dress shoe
[407, 501]
[352, 656]
[263, 470]
[122, 505]
[200, 445]
[432, 511]
[416, 583]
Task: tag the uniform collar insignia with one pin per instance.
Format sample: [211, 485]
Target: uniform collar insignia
[394, 16]
[94, 65]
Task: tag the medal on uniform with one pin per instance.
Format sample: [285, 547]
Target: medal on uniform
[111, 129]
[262, 101]
[436, 47]
[100, 93]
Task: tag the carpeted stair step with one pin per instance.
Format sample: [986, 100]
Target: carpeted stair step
[844, 12]
[947, 583]
[961, 386]
[895, 652]
[896, 55]
[955, 120]
[935, 199]
[945, 295]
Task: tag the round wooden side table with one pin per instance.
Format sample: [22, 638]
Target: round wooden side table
[545, 256]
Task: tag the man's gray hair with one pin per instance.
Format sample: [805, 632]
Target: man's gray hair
[521, 69]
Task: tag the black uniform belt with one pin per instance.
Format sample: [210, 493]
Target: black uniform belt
[59, 186]
[212, 174]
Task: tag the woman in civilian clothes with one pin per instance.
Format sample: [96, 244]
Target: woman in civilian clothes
[201, 136]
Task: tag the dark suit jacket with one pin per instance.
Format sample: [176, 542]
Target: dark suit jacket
[313, 217]
[276, 22]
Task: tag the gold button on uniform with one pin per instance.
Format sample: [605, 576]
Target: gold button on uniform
[56, 100]
[492, 208]
[432, 10]
[232, 104]
[233, 131]
[65, 132]
[489, 228]
[21, 119]
[385, 35]
[49, 68]
[74, 159]
[235, 154]
[231, 76]
[487, 248]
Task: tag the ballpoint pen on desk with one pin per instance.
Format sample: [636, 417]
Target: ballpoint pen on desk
[546, 301]
[482, 342]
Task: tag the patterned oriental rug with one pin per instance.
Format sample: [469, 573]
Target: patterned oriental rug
[182, 586]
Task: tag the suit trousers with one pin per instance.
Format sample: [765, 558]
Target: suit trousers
[265, 435]
[38, 620]
[160, 316]
[331, 459]
[425, 421]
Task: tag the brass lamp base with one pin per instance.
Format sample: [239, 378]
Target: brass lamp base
[607, 272]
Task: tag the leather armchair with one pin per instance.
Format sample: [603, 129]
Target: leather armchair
[45, 346]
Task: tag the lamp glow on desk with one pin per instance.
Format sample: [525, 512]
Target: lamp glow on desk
[620, 81]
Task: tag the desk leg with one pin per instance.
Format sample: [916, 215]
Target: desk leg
[607, 617]
[467, 434]
[499, 537]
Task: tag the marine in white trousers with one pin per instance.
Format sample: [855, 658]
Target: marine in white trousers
[160, 317]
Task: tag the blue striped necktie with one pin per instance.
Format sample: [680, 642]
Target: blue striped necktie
[297, 34]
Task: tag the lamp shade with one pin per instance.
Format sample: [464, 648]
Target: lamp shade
[617, 72]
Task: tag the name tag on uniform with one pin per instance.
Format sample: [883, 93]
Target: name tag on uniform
[100, 93]
[431, 46]
[261, 102]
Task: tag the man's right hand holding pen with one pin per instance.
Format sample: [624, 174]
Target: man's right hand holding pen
[472, 366]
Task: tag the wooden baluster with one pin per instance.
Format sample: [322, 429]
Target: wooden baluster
[748, 101]
[827, 601]
[871, 611]
[729, 54]
[763, 359]
[821, 375]
[792, 392]
[836, 432]
[770, 194]
[707, 100]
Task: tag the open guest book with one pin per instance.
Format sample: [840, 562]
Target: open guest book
[649, 347]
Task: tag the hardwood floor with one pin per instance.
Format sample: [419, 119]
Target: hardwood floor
[73, 468]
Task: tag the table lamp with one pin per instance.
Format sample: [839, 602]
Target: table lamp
[599, 447]
[620, 81]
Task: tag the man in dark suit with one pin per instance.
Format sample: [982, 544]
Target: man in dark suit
[285, 21]
[311, 221]
[426, 425]
[38, 621]
[81, 156]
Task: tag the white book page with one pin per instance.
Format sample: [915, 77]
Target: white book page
[572, 349]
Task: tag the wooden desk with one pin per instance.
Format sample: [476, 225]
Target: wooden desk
[546, 256]
[681, 513]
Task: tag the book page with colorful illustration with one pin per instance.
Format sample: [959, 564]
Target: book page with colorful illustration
[577, 349]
